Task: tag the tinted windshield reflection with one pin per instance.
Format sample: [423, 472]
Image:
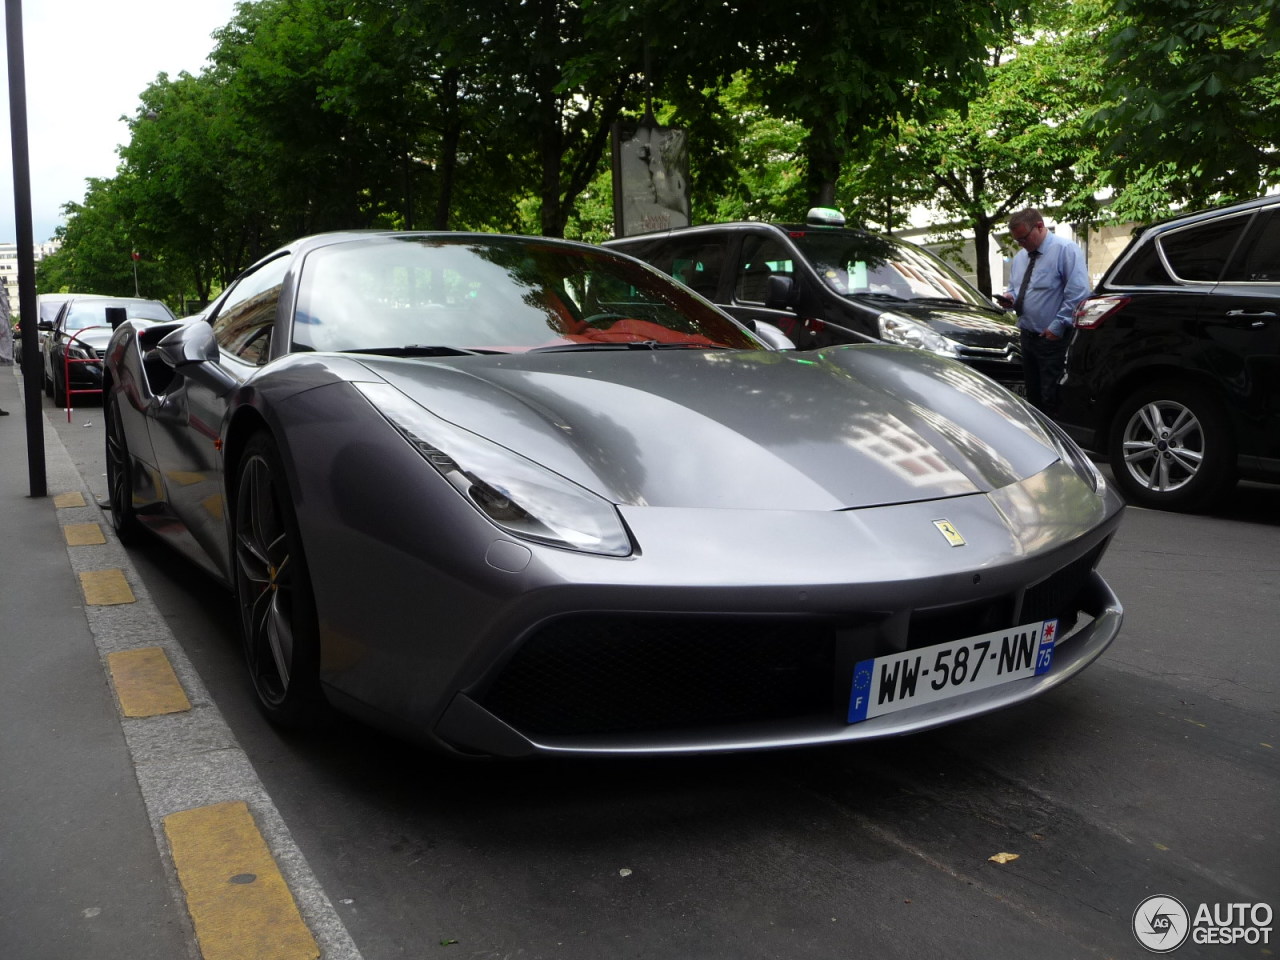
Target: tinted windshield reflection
[497, 294]
[852, 263]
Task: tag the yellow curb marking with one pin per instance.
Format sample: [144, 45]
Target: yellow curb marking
[102, 588]
[239, 902]
[83, 534]
[73, 499]
[146, 685]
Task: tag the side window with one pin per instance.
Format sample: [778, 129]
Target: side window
[761, 257]
[1259, 262]
[696, 263]
[1201, 252]
[245, 319]
[1143, 268]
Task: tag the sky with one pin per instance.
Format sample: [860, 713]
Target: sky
[87, 62]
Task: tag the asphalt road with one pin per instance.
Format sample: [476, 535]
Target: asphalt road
[1155, 772]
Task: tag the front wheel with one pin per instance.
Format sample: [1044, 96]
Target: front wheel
[273, 591]
[120, 475]
[1171, 447]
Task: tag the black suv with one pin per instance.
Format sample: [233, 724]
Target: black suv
[822, 284]
[1174, 368]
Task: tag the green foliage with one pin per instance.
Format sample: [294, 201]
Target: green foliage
[1195, 87]
[1022, 138]
[487, 115]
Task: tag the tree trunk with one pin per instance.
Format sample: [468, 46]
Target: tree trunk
[452, 136]
[982, 251]
[823, 157]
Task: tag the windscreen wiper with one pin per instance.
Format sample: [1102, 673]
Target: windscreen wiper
[628, 345]
[877, 295]
[955, 300]
[415, 350]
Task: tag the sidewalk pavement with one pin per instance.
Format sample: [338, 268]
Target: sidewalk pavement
[81, 874]
[118, 793]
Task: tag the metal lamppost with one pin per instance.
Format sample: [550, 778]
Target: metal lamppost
[27, 305]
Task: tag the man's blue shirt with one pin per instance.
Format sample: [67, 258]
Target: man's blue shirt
[1058, 283]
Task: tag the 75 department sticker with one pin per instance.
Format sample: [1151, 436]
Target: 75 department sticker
[1161, 923]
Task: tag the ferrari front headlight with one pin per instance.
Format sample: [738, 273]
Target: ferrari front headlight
[525, 499]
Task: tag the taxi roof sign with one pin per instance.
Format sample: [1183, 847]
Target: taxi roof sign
[824, 217]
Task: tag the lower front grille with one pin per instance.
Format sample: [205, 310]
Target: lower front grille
[610, 674]
[1060, 595]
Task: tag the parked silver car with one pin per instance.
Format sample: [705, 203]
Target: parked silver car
[517, 495]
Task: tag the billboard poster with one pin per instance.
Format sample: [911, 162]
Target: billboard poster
[650, 178]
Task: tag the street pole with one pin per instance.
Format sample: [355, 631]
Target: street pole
[28, 308]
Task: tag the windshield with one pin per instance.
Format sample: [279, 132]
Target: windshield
[859, 264]
[494, 294]
[93, 313]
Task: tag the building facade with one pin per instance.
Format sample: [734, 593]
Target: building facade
[9, 267]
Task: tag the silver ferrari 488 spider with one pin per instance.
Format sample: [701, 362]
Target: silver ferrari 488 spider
[518, 496]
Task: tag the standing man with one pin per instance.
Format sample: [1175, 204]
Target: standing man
[1046, 283]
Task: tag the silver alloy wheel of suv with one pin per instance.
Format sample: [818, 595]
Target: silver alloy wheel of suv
[1163, 445]
[1171, 447]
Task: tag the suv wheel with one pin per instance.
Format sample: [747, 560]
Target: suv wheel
[1171, 447]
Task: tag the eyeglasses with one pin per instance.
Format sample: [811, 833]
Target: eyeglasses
[1026, 236]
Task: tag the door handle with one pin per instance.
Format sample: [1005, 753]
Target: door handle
[1251, 313]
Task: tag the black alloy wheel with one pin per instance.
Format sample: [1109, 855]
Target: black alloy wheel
[273, 591]
[59, 391]
[1171, 447]
[120, 475]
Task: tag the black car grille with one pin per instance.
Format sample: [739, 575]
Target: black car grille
[606, 673]
[1060, 594]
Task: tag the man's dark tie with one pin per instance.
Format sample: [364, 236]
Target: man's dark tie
[1026, 279]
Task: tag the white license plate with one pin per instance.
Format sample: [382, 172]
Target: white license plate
[900, 680]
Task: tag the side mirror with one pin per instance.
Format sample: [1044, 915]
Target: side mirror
[192, 352]
[773, 336]
[44, 325]
[779, 291]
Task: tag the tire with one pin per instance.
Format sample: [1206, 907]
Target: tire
[1171, 447]
[120, 476]
[48, 383]
[59, 392]
[273, 591]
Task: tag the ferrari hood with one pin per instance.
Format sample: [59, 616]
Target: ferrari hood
[844, 428]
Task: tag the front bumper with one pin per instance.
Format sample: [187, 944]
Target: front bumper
[468, 725]
[769, 664]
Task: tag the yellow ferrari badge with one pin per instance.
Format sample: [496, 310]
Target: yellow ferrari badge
[948, 530]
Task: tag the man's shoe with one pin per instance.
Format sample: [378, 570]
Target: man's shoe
[4, 413]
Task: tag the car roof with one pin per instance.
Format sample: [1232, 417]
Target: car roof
[114, 301]
[788, 228]
[1209, 213]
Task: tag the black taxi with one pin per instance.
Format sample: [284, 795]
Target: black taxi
[824, 283]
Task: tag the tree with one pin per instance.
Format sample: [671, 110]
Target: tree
[1022, 140]
[1196, 102]
[97, 247]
